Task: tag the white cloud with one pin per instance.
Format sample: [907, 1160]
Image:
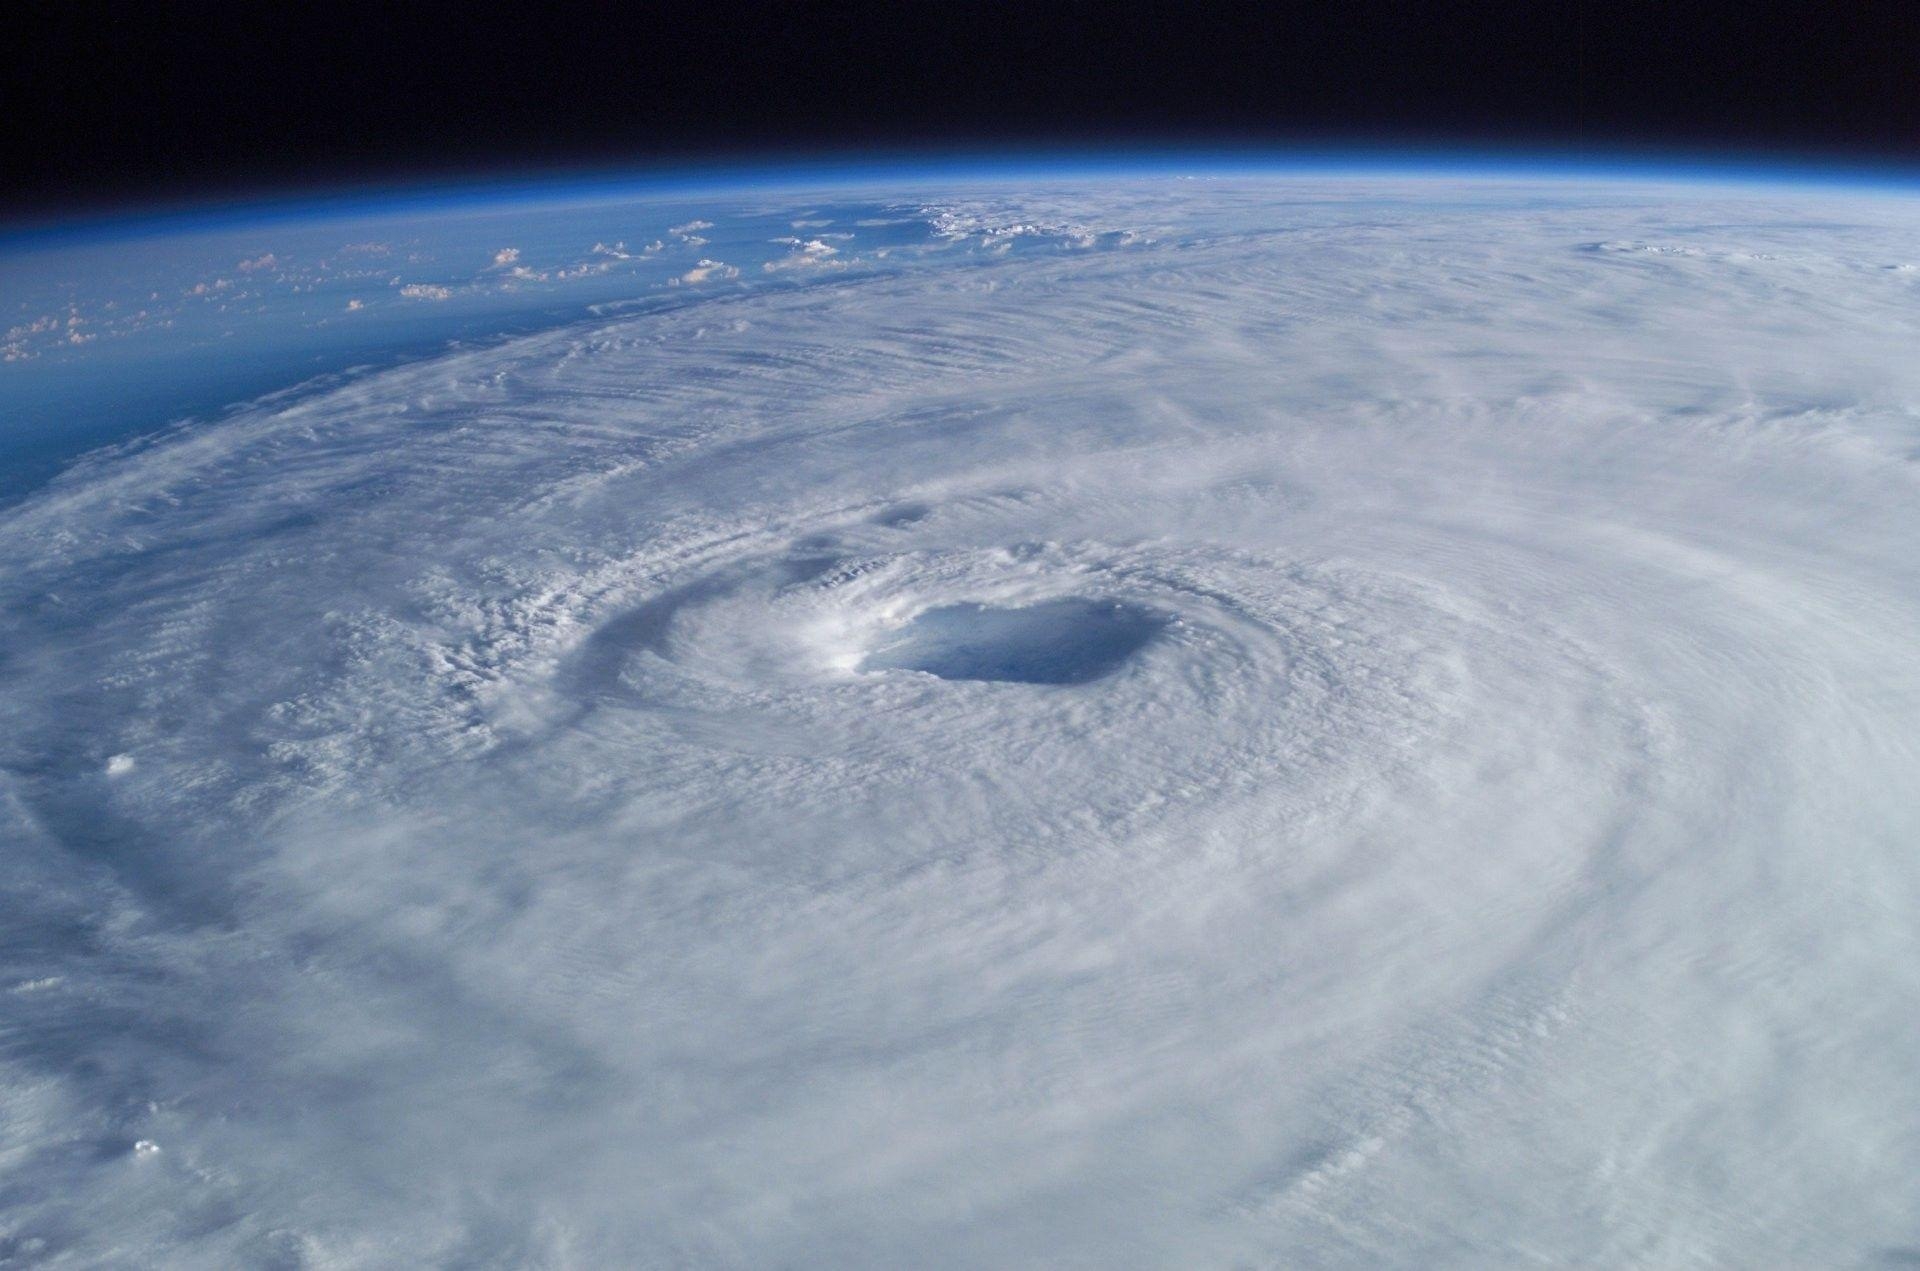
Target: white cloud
[708, 270]
[689, 227]
[807, 253]
[426, 291]
[38, 326]
[265, 261]
[506, 256]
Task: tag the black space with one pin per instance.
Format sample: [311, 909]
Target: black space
[105, 103]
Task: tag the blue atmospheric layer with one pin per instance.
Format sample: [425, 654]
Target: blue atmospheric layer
[556, 187]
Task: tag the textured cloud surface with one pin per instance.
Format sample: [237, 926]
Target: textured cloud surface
[1291, 723]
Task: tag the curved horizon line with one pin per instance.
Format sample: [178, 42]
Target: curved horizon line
[829, 167]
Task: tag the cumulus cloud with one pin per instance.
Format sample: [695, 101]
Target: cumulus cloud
[17, 345]
[708, 270]
[806, 253]
[426, 291]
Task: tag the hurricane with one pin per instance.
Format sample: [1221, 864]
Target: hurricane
[1298, 720]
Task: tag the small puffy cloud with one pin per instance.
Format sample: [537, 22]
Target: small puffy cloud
[806, 253]
[506, 256]
[39, 326]
[266, 260]
[355, 304]
[708, 270]
[684, 230]
[426, 291]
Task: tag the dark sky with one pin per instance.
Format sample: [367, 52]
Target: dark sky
[110, 103]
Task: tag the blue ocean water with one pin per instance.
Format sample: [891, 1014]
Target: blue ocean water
[109, 336]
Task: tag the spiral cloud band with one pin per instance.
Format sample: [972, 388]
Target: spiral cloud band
[1246, 722]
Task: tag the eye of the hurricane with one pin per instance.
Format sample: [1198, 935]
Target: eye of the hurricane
[1054, 642]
